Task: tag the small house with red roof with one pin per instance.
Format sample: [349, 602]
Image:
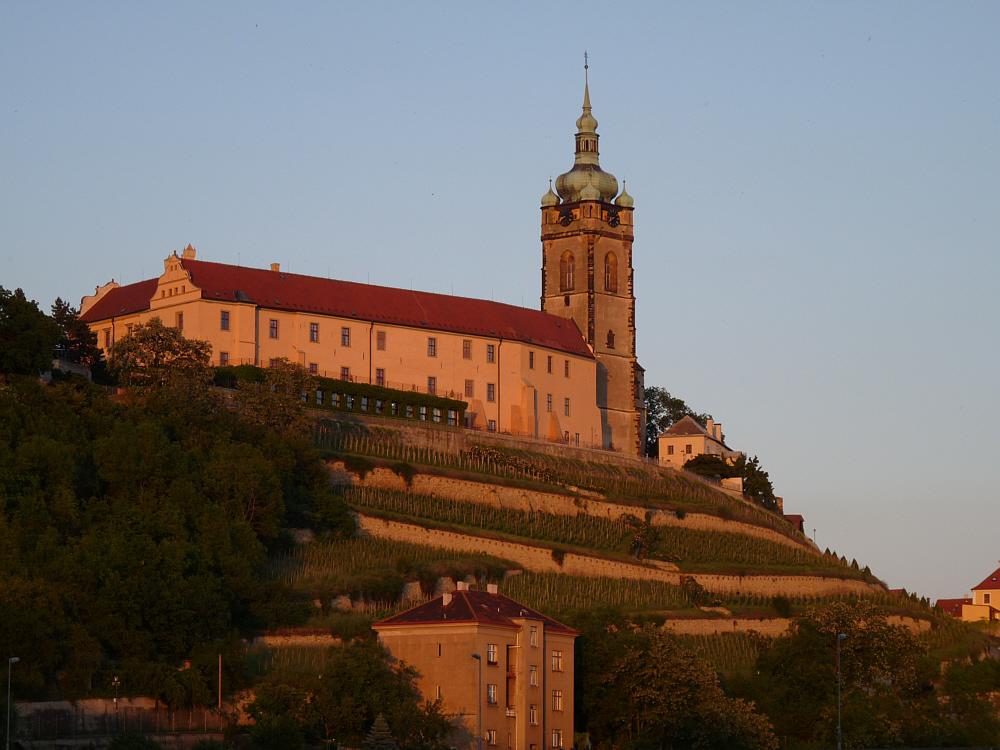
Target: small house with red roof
[686, 438]
[489, 657]
[985, 599]
[953, 607]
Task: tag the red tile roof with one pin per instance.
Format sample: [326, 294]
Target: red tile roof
[122, 301]
[473, 606]
[686, 426]
[953, 607]
[347, 299]
[992, 582]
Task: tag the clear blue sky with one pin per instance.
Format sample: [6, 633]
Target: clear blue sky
[817, 192]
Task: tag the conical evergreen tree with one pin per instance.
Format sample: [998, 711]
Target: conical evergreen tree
[379, 738]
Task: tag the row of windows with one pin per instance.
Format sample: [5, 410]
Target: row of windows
[687, 449]
[567, 272]
[490, 736]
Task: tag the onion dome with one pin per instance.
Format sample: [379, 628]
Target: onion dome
[590, 193]
[586, 166]
[624, 200]
[550, 198]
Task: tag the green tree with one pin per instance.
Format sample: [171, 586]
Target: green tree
[379, 738]
[756, 483]
[27, 335]
[78, 343]
[152, 354]
[663, 410]
[277, 401]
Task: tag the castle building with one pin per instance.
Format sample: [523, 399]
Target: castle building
[520, 687]
[566, 373]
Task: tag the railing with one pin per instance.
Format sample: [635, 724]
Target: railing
[511, 713]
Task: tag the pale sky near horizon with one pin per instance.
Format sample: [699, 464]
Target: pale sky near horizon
[816, 185]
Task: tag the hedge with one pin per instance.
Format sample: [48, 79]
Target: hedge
[357, 398]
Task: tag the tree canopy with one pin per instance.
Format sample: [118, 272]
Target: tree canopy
[152, 353]
[27, 335]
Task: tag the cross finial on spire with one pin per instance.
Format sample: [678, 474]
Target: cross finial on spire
[586, 66]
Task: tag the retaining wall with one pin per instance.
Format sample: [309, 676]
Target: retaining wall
[499, 496]
[540, 559]
[770, 627]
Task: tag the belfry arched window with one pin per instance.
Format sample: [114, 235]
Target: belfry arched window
[567, 272]
[611, 272]
[611, 339]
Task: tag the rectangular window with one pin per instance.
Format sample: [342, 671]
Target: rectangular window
[491, 425]
[180, 321]
[364, 403]
[566, 368]
[986, 598]
[335, 400]
[129, 331]
[439, 694]
[548, 402]
[491, 697]
[313, 368]
[432, 346]
[305, 397]
[409, 411]
[394, 408]
[432, 385]
[345, 336]
[379, 406]
[566, 407]
[466, 348]
[470, 388]
[314, 332]
[273, 329]
[687, 449]
[557, 704]
[491, 734]
[577, 438]
[223, 359]
[492, 654]
[453, 417]
[319, 398]
[557, 661]
[379, 376]
[533, 676]
[548, 366]
[380, 340]
[349, 400]
[423, 413]
[436, 412]
[224, 320]
[439, 651]
[670, 450]
[533, 641]
[345, 373]
[491, 392]
[557, 740]
[533, 715]
[490, 349]
[531, 360]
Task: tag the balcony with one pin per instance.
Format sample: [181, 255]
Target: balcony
[511, 713]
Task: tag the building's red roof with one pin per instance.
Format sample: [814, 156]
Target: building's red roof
[796, 520]
[278, 290]
[953, 607]
[686, 425]
[992, 582]
[122, 301]
[473, 606]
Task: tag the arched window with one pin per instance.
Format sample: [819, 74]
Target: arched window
[567, 272]
[611, 339]
[611, 272]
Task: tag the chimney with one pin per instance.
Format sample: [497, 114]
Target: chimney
[276, 267]
[188, 253]
[446, 598]
[463, 585]
[710, 427]
[491, 588]
[718, 432]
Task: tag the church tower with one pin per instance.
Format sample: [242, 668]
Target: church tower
[587, 276]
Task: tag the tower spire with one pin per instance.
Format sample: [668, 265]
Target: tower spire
[586, 84]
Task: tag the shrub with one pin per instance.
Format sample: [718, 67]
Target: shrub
[558, 555]
[357, 465]
[725, 512]
[681, 513]
[405, 471]
[782, 605]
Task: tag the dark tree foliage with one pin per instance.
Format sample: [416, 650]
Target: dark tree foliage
[132, 537]
[380, 737]
[77, 343]
[27, 335]
[756, 482]
[662, 410]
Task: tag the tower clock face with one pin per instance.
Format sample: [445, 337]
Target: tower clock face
[613, 218]
[566, 217]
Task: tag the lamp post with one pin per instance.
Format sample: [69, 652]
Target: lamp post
[840, 639]
[11, 661]
[116, 682]
[479, 699]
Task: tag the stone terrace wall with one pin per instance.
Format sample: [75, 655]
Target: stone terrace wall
[771, 627]
[499, 496]
[540, 559]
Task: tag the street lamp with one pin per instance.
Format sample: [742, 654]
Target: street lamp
[10, 662]
[479, 699]
[840, 639]
[116, 682]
